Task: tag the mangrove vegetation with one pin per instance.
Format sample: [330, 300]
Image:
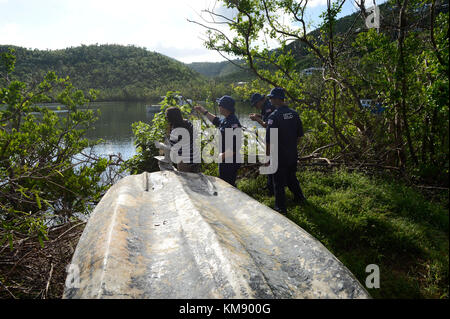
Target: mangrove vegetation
[374, 161]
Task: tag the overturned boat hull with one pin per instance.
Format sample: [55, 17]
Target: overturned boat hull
[184, 235]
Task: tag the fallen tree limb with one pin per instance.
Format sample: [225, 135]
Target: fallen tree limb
[432, 187]
[324, 147]
[48, 282]
[7, 290]
[33, 271]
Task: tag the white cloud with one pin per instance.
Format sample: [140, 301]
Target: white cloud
[316, 3]
[10, 32]
[160, 26]
[157, 25]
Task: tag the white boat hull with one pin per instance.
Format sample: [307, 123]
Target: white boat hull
[184, 235]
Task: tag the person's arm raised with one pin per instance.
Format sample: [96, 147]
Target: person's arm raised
[205, 112]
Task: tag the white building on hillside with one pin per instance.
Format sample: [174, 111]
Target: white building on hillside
[310, 71]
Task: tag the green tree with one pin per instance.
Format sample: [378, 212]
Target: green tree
[145, 136]
[47, 174]
[117, 72]
[402, 66]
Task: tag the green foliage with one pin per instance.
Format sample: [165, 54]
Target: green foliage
[374, 220]
[418, 92]
[405, 72]
[245, 91]
[145, 136]
[214, 69]
[117, 72]
[44, 175]
[223, 73]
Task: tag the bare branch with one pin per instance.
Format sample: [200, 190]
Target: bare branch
[213, 14]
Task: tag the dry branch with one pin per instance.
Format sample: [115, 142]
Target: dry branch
[32, 271]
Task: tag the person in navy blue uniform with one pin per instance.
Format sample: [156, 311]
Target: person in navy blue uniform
[227, 171]
[290, 129]
[266, 108]
[262, 103]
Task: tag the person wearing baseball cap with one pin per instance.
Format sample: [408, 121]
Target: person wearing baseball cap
[263, 104]
[277, 93]
[228, 163]
[290, 129]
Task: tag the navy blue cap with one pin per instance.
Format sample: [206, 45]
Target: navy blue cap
[255, 98]
[227, 102]
[277, 93]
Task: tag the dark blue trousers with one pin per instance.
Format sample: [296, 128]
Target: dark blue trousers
[228, 172]
[285, 176]
[270, 184]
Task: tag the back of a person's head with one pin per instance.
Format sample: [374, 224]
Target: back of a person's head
[174, 117]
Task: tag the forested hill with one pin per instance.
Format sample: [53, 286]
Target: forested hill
[215, 69]
[118, 72]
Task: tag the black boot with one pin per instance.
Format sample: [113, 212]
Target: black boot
[300, 200]
[281, 211]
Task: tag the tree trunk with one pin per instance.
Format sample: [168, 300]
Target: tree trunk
[403, 80]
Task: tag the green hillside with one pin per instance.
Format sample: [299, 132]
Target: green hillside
[210, 69]
[118, 72]
[225, 72]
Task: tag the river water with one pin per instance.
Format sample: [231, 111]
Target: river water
[114, 127]
[116, 118]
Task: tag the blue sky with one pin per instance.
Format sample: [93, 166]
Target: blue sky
[159, 26]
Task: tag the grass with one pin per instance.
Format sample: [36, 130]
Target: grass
[366, 220]
[362, 220]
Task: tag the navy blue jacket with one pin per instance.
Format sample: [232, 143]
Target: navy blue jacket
[290, 128]
[268, 108]
[231, 121]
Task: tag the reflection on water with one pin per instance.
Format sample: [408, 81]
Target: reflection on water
[114, 127]
[116, 118]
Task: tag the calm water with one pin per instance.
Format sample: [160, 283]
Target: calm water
[114, 125]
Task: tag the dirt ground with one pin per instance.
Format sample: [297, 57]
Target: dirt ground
[35, 272]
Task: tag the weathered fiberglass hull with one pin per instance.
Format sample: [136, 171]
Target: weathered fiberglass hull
[184, 235]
